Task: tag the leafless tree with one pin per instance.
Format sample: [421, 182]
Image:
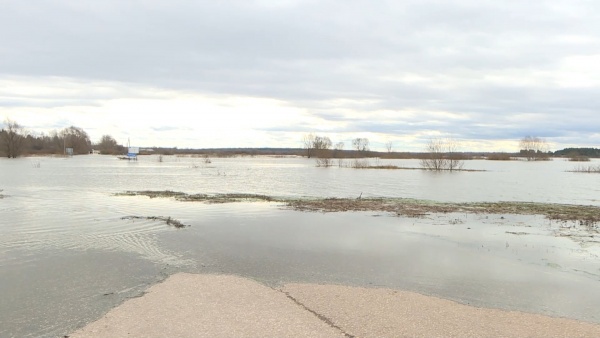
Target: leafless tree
[435, 158]
[76, 138]
[533, 148]
[361, 145]
[442, 155]
[108, 145]
[13, 138]
[454, 158]
[322, 150]
[308, 142]
[321, 143]
[339, 148]
[389, 145]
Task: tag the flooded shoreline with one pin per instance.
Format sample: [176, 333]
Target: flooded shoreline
[70, 239]
[586, 215]
[511, 262]
[577, 222]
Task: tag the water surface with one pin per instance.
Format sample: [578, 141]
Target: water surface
[67, 256]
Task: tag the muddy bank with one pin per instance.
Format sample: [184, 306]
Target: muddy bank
[588, 216]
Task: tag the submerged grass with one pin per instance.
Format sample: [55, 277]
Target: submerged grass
[167, 220]
[395, 167]
[217, 198]
[398, 206]
[586, 169]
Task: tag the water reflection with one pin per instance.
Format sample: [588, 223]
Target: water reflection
[61, 221]
[503, 181]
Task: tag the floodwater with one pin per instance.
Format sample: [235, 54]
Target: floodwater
[67, 256]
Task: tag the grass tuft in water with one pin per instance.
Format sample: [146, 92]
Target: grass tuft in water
[398, 206]
[168, 220]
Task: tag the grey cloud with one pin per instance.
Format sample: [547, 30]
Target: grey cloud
[309, 52]
[49, 103]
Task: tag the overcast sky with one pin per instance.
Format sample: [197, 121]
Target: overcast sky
[264, 73]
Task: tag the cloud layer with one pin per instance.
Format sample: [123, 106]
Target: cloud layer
[404, 70]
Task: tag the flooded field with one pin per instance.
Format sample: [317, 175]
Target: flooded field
[72, 247]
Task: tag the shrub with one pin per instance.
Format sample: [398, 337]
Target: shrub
[587, 169]
[499, 157]
[579, 159]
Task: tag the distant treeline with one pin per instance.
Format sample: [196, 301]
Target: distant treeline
[222, 152]
[15, 141]
[331, 153]
[575, 152]
[230, 152]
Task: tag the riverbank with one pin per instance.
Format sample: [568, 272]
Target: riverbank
[199, 305]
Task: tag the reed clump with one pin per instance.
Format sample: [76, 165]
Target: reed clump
[579, 159]
[168, 220]
[590, 169]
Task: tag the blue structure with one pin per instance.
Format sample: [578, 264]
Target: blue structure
[133, 153]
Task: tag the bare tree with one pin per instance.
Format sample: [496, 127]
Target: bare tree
[389, 145]
[308, 142]
[435, 159]
[339, 148]
[108, 145]
[442, 155]
[76, 138]
[361, 145]
[454, 158]
[13, 138]
[533, 148]
[321, 143]
[322, 150]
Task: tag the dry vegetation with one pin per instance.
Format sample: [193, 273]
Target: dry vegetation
[410, 207]
[579, 159]
[500, 157]
[394, 167]
[590, 169]
[397, 206]
[218, 198]
[168, 220]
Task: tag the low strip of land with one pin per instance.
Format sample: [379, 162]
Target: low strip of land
[586, 214]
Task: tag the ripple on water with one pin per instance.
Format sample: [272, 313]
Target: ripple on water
[138, 237]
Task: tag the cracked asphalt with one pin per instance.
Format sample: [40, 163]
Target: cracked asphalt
[205, 305]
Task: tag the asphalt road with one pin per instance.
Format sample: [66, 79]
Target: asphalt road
[198, 305]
